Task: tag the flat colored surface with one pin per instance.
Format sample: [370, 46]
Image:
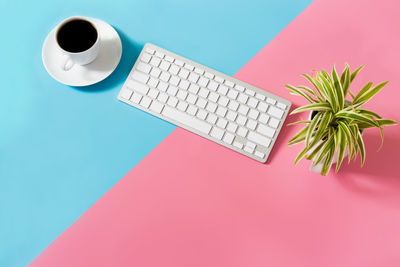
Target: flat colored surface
[191, 202]
[62, 148]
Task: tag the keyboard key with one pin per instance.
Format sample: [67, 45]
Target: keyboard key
[262, 107]
[174, 69]
[184, 84]
[281, 105]
[201, 103]
[194, 88]
[137, 87]
[145, 102]
[217, 133]
[238, 145]
[169, 59]
[213, 97]
[155, 61]
[203, 92]
[172, 90]
[249, 149]
[239, 88]
[242, 98]
[178, 62]
[233, 105]
[223, 89]
[136, 98]
[188, 120]
[243, 109]
[172, 101]
[165, 76]
[199, 71]
[232, 94]
[156, 107]
[140, 76]
[223, 101]
[221, 111]
[212, 118]
[165, 65]
[274, 123]
[252, 102]
[259, 154]
[162, 86]
[126, 93]
[202, 114]
[263, 118]
[260, 96]
[153, 93]
[228, 138]
[222, 123]
[143, 67]
[193, 77]
[241, 120]
[162, 97]
[183, 74]
[265, 130]
[145, 58]
[159, 54]
[182, 95]
[150, 51]
[219, 79]
[253, 114]
[232, 127]
[250, 92]
[174, 80]
[192, 110]
[191, 99]
[209, 75]
[182, 106]
[250, 144]
[242, 131]
[152, 82]
[259, 139]
[211, 107]
[271, 101]
[189, 67]
[229, 83]
[155, 72]
[273, 111]
[251, 124]
[231, 115]
[212, 85]
[203, 82]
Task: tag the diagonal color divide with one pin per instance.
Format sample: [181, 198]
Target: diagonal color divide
[191, 202]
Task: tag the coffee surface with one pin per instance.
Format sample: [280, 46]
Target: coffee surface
[77, 35]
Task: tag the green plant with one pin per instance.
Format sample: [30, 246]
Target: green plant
[338, 122]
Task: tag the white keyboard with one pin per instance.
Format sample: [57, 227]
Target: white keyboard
[206, 102]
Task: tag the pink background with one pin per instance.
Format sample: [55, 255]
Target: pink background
[191, 202]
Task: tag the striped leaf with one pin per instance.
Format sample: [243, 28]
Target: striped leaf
[294, 91]
[328, 161]
[345, 80]
[298, 122]
[355, 116]
[354, 73]
[322, 128]
[313, 107]
[338, 87]
[316, 84]
[340, 146]
[301, 135]
[312, 127]
[332, 99]
[328, 144]
[369, 93]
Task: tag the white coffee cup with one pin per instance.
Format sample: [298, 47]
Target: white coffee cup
[79, 40]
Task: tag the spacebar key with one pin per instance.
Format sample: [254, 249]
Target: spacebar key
[186, 119]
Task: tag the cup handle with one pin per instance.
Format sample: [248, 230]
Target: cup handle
[68, 64]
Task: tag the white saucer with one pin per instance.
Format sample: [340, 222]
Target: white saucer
[94, 72]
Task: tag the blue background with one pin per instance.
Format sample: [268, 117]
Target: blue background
[62, 148]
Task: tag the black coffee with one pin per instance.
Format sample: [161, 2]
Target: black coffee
[76, 35]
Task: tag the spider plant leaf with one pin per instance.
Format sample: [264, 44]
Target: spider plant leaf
[328, 161]
[313, 107]
[381, 122]
[354, 132]
[351, 94]
[361, 147]
[368, 94]
[354, 73]
[345, 80]
[356, 116]
[340, 146]
[299, 137]
[313, 92]
[315, 151]
[322, 128]
[301, 155]
[338, 88]
[312, 127]
[349, 136]
[328, 144]
[299, 122]
[294, 91]
[332, 99]
[366, 87]
[315, 83]
[368, 112]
